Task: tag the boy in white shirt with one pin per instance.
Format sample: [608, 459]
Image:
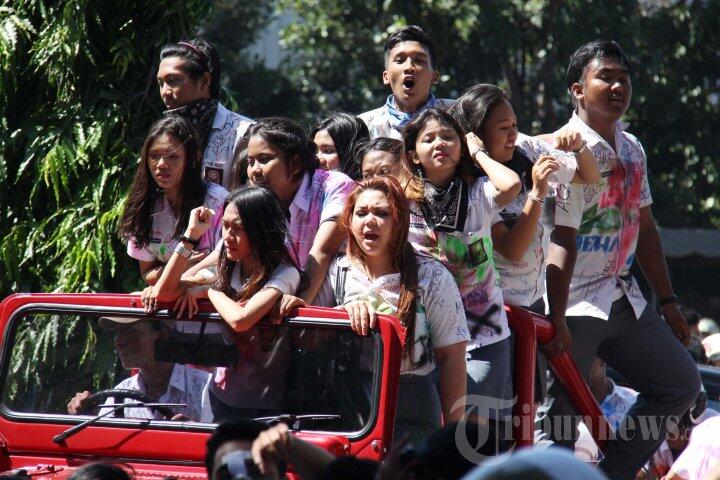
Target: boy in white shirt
[410, 71]
[599, 229]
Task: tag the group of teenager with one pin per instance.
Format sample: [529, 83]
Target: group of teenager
[438, 212]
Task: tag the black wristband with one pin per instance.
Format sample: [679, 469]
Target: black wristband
[189, 240]
[668, 300]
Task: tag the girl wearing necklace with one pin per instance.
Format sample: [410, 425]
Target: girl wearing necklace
[453, 203]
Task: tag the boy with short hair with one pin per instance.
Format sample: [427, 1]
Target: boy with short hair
[410, 72]
[599, 229]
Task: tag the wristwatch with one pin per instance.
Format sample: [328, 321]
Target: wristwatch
[189, 240]
[669, 300]
[183, 252]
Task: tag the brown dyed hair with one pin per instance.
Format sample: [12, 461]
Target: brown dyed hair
[403, 254]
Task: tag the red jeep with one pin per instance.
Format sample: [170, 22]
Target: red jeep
[338, 389]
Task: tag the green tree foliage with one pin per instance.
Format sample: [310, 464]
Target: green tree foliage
[77, 93]
[257, 90]
[523, 45]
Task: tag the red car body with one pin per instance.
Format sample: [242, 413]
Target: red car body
[26, 440]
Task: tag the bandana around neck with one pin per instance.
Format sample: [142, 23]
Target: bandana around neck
[399, 119]
[445, 208]
[201, 114]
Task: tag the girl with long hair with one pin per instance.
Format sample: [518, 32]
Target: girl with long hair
[455, 196]
[382, 273]
[254, 271]
[167, 186]
[280, 157]
[336, 139]
[517, 235]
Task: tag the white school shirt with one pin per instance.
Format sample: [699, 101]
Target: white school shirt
[607, 218]
[186, 385]
[380, 124]
[162, 243]
[523, 282]
[468, 256]
[439, 319]
[258, 378]
[227, 130]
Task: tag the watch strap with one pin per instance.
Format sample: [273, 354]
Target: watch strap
[669, 300]
[189, 240]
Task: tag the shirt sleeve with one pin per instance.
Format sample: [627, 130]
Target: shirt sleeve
[536, 148]
[443, 306]
[645, 196]
[483, 192]
[285, 279]
[337, 188]
[569, 205]
[143, 254]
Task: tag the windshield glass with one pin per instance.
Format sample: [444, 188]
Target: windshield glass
[71, 364]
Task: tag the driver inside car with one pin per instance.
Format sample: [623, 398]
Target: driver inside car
[161, 382]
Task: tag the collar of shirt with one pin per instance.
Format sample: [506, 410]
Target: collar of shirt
[590, 135]
[177, 382]
[398, 118]
[301, 200]
[220, 117]
[165, 207]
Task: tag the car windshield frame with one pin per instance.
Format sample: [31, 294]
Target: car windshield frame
[96, 311]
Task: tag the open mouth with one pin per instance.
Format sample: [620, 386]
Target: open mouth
[371, 236]
[408, 83]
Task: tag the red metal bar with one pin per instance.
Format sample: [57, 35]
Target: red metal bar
[525, 341]
[526, 326]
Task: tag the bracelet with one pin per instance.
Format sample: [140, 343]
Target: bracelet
[579, 150]
[669, 300]
[475, 152]
[194, 243]
[183, 252]
[535, 199]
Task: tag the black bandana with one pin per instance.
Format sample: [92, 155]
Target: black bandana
[201, 114]
[445, 209]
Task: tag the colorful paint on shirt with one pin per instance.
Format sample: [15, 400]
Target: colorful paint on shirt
[320, 198]
[469, 258]
[607, 218]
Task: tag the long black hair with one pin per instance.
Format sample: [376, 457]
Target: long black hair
[136, 220]
[472, 111]
[347, 132]
[198, 57]
[264, 222]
